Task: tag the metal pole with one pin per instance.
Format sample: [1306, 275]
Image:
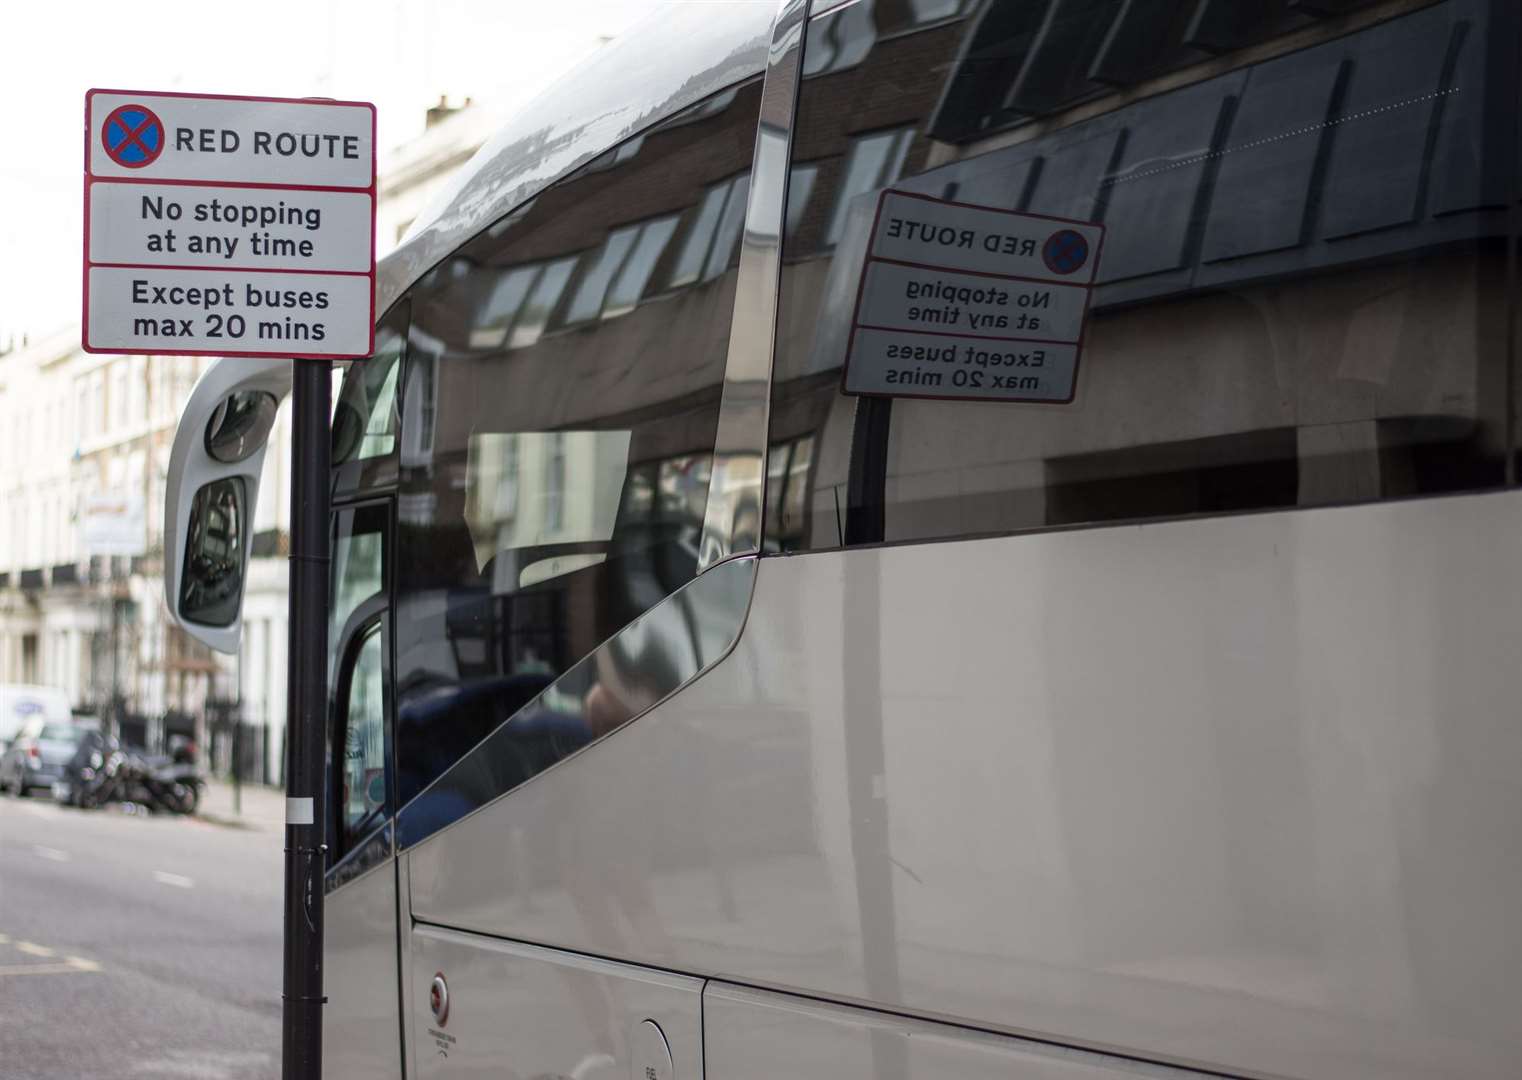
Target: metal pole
[306, 697]
[238, 763]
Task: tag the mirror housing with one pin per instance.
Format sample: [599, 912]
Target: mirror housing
[228, 417]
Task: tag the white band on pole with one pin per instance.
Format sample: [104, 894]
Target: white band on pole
[298, 811]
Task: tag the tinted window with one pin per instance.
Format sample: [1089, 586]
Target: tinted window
[1298, 294]
[362, 772]
[367, 411]
[358, 567]
[562, 390]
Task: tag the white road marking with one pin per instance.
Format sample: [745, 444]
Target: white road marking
[46, 969]
[5, 939]
[79, 963]
[179, 881]
[33, 950]
[51, 853]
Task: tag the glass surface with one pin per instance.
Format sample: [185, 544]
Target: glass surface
[560, 489]
[541, 302]
[363, 798]
[874, 162]
[240, 425]
[211, 582]
[1299, 296]
[726, 240]
[358, 567]
[365, 414]
[64, 733]
[636, 273]
[587, 303]
[699, 236]
[800, 185]
[503, 303]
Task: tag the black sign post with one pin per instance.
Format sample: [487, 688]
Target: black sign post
[306, 697]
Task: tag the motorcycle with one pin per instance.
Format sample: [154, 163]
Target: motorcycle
[167, 784]
[103, 771]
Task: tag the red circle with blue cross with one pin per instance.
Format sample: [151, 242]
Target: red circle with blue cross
[1065, 251]
[133, 136]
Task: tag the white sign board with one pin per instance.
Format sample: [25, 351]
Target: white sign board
[970, 302]
[113, 525]
[229, 226]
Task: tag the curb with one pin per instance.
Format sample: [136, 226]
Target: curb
[224, 822]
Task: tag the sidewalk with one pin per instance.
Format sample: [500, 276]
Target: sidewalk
[262, 807]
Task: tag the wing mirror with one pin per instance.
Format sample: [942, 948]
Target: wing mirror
[212, 491]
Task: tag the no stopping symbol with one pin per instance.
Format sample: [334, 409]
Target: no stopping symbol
[1065, 251]
[133, 136]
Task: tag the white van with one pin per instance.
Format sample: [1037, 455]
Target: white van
[20, 702]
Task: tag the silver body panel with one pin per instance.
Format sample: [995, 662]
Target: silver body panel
[360, 1037]
[521, 1011]
[1238, 793]
[756, 1035]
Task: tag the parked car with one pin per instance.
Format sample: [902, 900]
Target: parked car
[38, 754]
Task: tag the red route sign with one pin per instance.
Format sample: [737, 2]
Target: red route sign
[218, 225]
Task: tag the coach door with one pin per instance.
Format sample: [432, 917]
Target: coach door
[361, 1028]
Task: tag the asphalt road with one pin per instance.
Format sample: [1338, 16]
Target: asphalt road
[137, 946]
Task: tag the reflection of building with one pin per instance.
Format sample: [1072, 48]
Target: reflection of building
[1300, 278]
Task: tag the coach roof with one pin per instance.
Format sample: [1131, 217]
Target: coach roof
[678, 56]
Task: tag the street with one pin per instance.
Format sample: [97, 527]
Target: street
[137, 946]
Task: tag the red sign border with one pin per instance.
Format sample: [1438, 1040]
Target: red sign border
[90, 179]
[869, 258]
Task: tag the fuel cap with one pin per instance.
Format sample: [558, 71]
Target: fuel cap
[650, 1057]
[438, 999]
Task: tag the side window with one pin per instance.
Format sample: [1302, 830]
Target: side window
[358, 566]
[361, 802]
[367, 411]
[563, 382]
[358, 744]
[1124, 286]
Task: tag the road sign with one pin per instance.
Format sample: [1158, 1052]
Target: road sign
[113, 525]
[231, 226]
[970, 302]
[133, 136]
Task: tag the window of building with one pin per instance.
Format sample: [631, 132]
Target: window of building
[97, 410]
[874, 162]
[713, 233]
[1296, 299]
[542, 299]
[136, 394]
[602, 264]
[561, 488]
[118, 403]
[841, 42]
[800, 185]
[629, 286]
